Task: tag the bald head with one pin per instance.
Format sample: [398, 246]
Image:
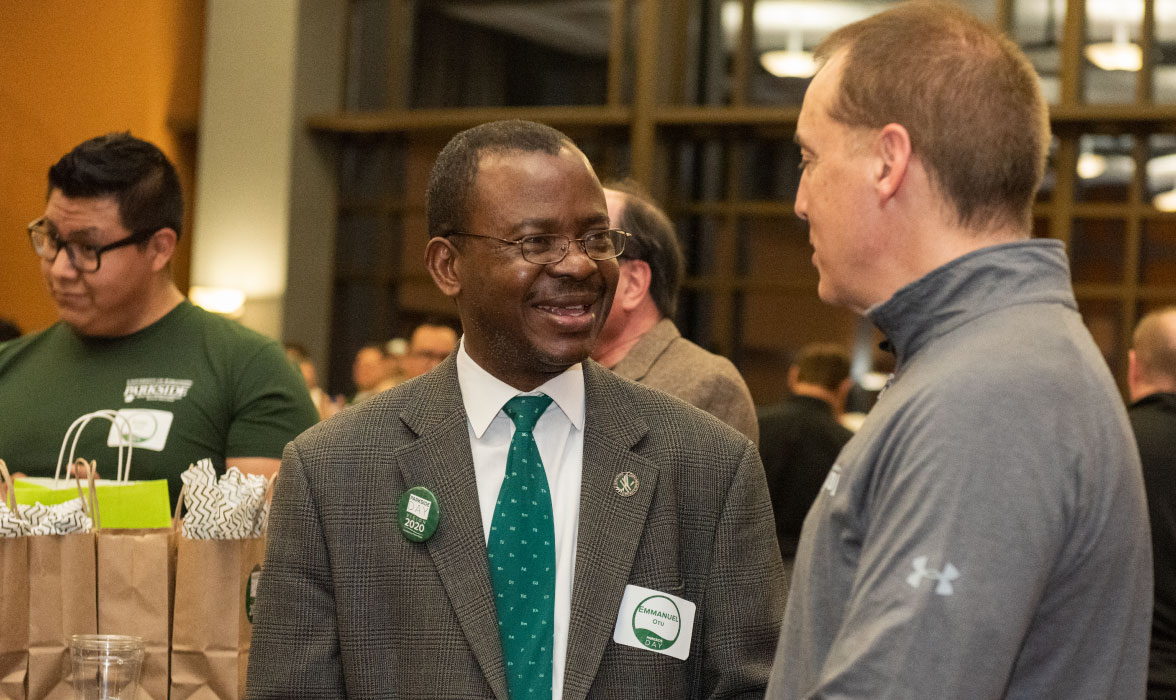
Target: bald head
[1153, 359]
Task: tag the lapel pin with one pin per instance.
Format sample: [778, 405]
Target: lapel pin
[626, 484]
[418, 514]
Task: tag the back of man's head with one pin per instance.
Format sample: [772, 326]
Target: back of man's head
[452, 177]
[1154, 353]
[966, 94]
[652, 240]
[823, 364]
[133, 172]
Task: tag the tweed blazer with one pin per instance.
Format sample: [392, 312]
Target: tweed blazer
[664, 360]
[348, 607]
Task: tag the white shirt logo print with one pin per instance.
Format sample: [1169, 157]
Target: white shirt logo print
[832, 480]
[945, 577]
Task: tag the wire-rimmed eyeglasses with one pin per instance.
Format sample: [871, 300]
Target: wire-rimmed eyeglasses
[549, 248]
[83, 256]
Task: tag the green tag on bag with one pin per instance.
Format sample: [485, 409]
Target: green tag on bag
[251, 591]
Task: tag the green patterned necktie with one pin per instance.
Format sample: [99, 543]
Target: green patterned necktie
[522, 558]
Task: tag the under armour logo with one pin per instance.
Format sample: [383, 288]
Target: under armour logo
[832, 480]
[945, 577]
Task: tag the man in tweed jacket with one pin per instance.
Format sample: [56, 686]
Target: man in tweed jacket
[647, 491]
[639, 341]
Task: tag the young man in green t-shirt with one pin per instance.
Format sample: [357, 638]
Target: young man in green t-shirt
[188, 383]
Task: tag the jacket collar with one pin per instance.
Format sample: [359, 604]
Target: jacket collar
[636, 363]
[996, 277]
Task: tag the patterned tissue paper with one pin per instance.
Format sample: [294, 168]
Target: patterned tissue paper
[233, 507]
[39, 519]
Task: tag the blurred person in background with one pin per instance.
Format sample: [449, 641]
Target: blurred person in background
[1151, 383]
[324, 403]
[640, 341]
[375, 369]
[431, 342]
[801, 436]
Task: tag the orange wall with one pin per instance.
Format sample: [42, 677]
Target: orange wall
[71, 70]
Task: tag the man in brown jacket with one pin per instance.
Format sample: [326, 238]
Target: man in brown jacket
[639, 340]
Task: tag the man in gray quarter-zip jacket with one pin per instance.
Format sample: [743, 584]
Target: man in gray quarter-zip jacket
[985, 534]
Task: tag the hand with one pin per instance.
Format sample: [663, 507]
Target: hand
[81, 469]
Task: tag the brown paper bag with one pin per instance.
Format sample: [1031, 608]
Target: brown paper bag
[61, 604]
[14, 616]
[212, 627]
[136, 577]
[47, 595]
[14, 603]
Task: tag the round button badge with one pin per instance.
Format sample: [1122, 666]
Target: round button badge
[418, 514]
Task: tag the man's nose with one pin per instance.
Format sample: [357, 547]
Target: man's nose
[575, 264]
[61, 265]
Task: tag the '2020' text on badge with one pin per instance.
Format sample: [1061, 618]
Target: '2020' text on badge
[656, 621]
[418, 514]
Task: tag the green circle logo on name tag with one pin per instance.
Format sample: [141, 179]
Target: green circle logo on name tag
[657, 622]
[251, 591]
[418, 514]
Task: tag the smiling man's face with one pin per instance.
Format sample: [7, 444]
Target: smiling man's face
[524, 322]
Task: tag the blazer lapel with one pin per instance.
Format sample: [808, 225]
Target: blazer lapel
[440, 460]
[610, 524]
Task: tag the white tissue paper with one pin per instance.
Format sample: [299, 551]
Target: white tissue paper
[38, 519]
[231, 508]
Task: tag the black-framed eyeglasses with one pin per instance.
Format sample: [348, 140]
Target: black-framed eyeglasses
[83, 256]
[549, 248]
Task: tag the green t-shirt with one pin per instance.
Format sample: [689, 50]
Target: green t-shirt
[192, 385]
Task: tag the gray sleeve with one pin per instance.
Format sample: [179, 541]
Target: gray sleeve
[962, 522]
[745, 589]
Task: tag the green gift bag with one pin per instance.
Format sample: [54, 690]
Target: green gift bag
[122, 502]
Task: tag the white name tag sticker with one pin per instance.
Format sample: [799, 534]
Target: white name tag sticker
[148, 427]
[656, 621]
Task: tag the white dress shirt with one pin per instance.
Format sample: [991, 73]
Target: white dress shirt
[559, 435]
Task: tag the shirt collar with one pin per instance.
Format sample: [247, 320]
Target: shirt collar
[484, 395]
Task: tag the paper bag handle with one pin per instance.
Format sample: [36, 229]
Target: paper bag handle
[265, 501]
[89, 506]
[123, 426]
[176, 519]
[9, 489]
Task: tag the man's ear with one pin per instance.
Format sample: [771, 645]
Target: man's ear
[633, 285]
[162, 247]
[1134, 376]
[443, 262]
[893, 144]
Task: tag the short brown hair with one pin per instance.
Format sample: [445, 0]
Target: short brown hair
[653, 240]
[967, 95]
[1155, 346]
[823, 364]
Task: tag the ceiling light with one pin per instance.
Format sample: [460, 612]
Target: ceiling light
[791, 62]
[874, 381]
[220, 300]
[1120, 53]
[1165, 201]
[1091, 165]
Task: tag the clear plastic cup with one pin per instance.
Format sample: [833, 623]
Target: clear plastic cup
[106, 666]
